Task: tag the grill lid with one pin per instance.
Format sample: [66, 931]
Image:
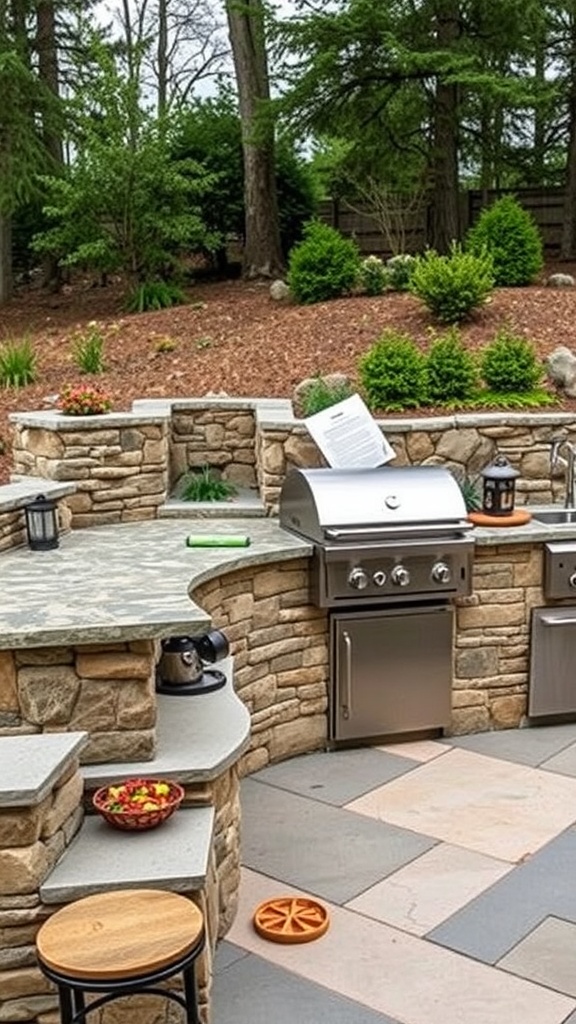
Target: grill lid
[359, 504]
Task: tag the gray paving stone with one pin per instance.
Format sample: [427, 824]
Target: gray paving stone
[327, 851]
[563, 763]
[502, 916]
[249, 990]
[338, 776]
[546, 956]
[532, 746]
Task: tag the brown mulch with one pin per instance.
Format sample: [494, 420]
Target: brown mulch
[232, 338]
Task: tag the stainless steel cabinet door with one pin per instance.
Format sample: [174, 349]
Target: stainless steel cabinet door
[552, 688]
[391, 671]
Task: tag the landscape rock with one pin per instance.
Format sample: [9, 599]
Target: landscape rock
[279, 291]
[560, 281]
[332, 380]
[561, 369]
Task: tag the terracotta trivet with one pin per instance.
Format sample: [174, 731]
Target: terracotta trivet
[518, 518]
[291, 919]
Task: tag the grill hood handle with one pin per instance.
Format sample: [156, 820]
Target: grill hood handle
[420, 529]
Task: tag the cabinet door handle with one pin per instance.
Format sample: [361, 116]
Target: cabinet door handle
[548, 620]
[347, 703]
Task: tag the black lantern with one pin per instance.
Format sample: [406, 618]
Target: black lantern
[41, 524]
[499, 487]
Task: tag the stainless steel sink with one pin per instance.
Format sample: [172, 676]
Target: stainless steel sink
[555, 516]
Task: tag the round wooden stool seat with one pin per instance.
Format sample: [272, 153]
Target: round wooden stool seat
[118, 935]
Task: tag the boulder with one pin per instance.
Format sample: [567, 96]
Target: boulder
[279, 291]
[561, 369]
[560, 281]
[333, 381]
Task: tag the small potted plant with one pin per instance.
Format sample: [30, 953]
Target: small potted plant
[84, 400]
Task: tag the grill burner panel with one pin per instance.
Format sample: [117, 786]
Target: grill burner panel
[396, 573]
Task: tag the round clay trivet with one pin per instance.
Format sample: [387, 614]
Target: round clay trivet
[515, 519]
[291, 919]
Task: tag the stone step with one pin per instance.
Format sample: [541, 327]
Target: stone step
[174, 856]
[247, 503]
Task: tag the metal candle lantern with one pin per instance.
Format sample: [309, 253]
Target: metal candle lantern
[41, 524]
[499, 487]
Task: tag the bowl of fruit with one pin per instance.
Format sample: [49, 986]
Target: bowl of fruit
[138, 804]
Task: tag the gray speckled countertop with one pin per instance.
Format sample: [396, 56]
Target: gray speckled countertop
[132, 581]
[124, 582]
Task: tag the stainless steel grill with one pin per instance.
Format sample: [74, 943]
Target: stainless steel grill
[392, 549]
[381, 535]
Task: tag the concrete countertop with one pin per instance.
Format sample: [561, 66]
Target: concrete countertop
[125, 582]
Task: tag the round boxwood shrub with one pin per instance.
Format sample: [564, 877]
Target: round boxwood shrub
[393, 373]
[510, 235]
[452, 371]
[323, 265]
[452, 286]
[509, 364]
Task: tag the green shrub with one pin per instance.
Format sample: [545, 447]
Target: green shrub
[452, 286]
[400, 269]
[509, 364]
[17, 364]
[373, 276]
[322, 393]
[154, 295]
[206, 485]
[88, 352]
[509, 234]
[452, 371]
[393, 373]
[323, 266]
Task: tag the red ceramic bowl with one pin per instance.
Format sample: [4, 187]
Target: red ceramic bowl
[138, 804]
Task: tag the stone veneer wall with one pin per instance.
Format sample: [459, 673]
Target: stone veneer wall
[463, 443]
[216, 436]
[280, 646]
[118, 464]
[491, 666]
[107, 690]
[31, 841]
[123, 464]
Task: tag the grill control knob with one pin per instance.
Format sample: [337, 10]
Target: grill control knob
[379, 578]
[572, 579]
[358, 579]
[400, 576]
[441, 573]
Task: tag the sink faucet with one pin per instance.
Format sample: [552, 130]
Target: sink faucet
[568, 460]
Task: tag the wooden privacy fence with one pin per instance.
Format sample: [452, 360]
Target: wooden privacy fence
[411, 232]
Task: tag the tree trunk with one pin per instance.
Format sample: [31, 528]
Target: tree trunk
[568, 242]
[48, 73]
[262, 247]
[445, 213]
[5, 258]
[162, 57]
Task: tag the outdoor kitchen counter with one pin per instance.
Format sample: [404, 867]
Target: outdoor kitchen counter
[531, 533]
[125, 582]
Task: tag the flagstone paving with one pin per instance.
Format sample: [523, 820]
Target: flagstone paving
[447, 867]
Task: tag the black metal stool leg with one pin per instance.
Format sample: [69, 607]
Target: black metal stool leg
[191, 994]
[78, 1003]
[66, 1004]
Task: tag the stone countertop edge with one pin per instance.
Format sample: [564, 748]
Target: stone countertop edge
[126, 582]
[31, 764]
[198, 737]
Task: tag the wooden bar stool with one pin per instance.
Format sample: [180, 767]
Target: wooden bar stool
[119, 943]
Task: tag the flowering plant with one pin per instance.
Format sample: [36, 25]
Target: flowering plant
[373, 275]
[84, 400]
